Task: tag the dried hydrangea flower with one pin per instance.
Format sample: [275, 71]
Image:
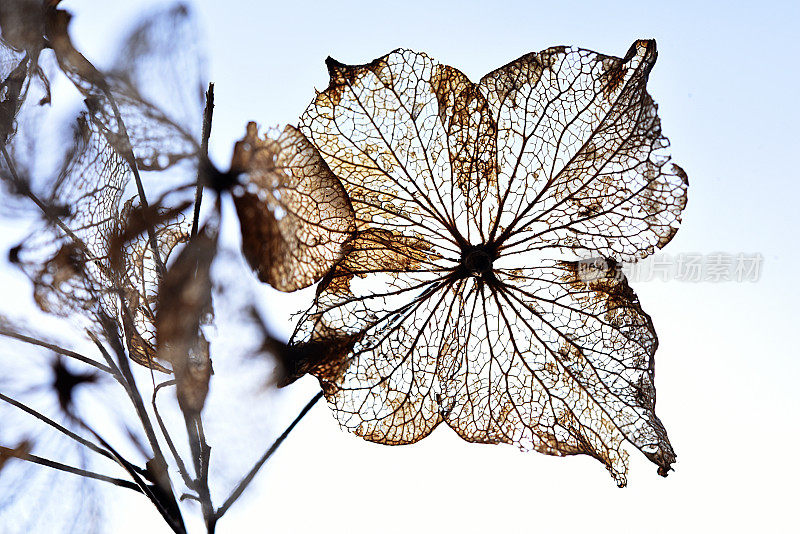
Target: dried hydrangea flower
[462, 297]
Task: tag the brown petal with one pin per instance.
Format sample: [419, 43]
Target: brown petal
[184, 300]
[293, 212]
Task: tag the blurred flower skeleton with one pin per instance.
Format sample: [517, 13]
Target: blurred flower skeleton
[100, 256]
[445, 222]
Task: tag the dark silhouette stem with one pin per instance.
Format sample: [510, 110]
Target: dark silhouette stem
[6, 452]
[201, 454]
[237, 492]
[128, 382]
[56, 349]
[181, 466]
[175, 522]
[43, 418]
[208, 115]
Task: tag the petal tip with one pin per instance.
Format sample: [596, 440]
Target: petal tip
[645, 49]
[334, 68]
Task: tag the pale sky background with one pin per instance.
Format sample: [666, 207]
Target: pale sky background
[727, 84]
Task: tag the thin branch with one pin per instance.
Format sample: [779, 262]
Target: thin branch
[43, 418]
[205, 450]
[205, 459]
[176, 523]
[208, 114]
[201, 452]
[181, 466]
[237, 492]
[130, 383]
[200, 455]
[130, 158]
[109, 360]
[5, 451]
[55, 348]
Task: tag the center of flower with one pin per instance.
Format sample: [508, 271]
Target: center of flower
[476, 260]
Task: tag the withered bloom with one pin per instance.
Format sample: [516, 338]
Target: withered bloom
[103, 255]
[461, 296]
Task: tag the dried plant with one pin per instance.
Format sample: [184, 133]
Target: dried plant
[447, 223]
[460, 298]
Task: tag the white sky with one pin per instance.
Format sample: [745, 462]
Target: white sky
[727, 369]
